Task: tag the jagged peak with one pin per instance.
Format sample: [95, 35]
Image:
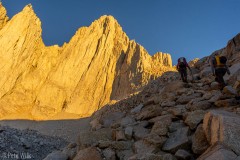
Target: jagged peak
[107, 21]
[3, 9]
[28, 12]
[28, 9]
[104, 23]
[23, 22]
[1, 5]
[105, 18]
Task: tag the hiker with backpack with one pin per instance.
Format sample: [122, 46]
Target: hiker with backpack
[182, 68]
[219, 69]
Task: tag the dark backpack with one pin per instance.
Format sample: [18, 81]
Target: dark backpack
[182, 65]
[223, 60]
[220, 61]
[182, 62]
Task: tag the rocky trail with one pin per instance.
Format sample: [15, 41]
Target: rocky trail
[182, 124]
[168, 120]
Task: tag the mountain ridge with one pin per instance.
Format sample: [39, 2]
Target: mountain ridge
[98, 64]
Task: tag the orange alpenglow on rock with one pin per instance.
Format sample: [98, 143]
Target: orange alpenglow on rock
[99, 64]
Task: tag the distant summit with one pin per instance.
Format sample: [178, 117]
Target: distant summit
[99, 64]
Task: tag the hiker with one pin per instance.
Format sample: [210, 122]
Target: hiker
[211, 60]
[219, 69]
[182, 68]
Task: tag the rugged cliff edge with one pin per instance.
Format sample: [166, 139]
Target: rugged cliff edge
[99, 64]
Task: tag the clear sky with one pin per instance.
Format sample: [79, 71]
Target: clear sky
[190, 28]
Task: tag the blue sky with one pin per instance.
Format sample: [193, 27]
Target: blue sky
[190, 28]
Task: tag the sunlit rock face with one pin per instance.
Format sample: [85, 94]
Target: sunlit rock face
[3, 16]
[98, 64]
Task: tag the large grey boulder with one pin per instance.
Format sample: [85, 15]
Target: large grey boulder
[175, 126]
[199, 141]
[194, 118]
[178, 110]
[143, 147]
[177, 140]
[167, 117]
[229, 90]
[161, 127]
[155, 139]
[222, 126]
[216, 95]
[90, 153]
[199, 105]
[184, 99]
[183, 155]
[235, 70]
[218, 152]
[149, 112]
[128, 120]
[140, 132]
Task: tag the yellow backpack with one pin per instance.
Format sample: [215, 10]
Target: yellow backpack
[218, 62]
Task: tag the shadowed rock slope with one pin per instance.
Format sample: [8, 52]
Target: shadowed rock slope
[99, 64]
[170, 120]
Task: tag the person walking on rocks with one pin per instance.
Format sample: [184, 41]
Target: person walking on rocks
[182, 68]
[219, 69]
[211, 60]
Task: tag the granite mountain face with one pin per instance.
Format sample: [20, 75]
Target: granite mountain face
[3, 17]
[99, 64]
[143, 119]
